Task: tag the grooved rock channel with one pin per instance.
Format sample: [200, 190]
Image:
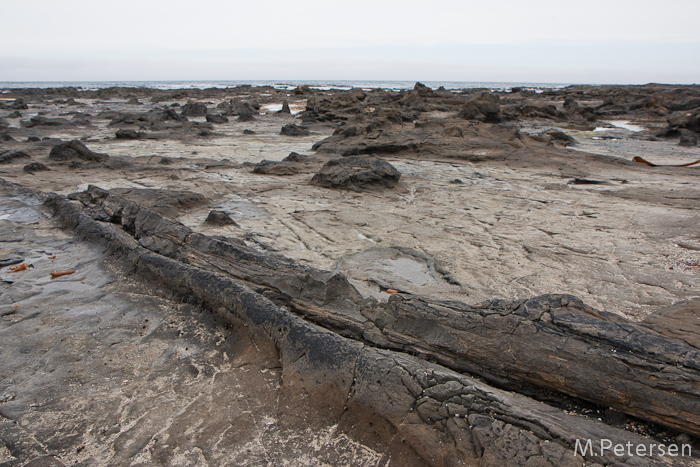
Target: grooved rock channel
[444, 380]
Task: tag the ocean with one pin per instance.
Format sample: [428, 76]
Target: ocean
[329, 84]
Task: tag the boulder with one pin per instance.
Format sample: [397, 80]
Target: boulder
[556, 136]
[34, 167]
[43, 121]
[688, 138]
[294, 130]
[687, 120]
[276, 168]
[19, 104]
[302, 90]
[128, 134]
[170, 115]
[11, 157]
[245, 113]
[422, 89]
[216, 118]
[219, 219]
[485, 107]
[75, 151]
[194, 109]
[292, 164]
[357, 172]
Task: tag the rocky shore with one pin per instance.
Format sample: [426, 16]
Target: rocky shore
[424, 277]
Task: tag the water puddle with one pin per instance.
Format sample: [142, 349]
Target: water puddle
[20, 208]
[621, 124]
[392, 268]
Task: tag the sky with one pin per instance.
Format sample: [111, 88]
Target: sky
[538, 41]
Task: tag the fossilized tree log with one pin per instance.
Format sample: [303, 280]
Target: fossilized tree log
[553, 341]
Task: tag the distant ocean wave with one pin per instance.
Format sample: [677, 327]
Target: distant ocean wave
[339, 84]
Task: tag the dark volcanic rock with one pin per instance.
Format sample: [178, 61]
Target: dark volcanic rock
[75, 151]
[81, 119]
[6, 137]
[285, 110]
[43, 121]
[216, 118]
[302, 90]
[292, 164]
[294, 130]
[248, 132]
[276, 168]
[19, 104]
[245, 113]
[422, 89]
[133, 101]
[219, 219]
[688, 138]
[687, 120]
[194, 109]
[128, 134]
[35, 167]
[170, 115]
[168, 203]
[13, 156]
[484, 106]
[553, 135]
[357, 172]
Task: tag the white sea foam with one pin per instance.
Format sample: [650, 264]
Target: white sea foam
[281, 85]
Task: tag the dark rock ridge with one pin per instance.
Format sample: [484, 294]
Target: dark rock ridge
[294, 130]
[124, 133]
[357, 172]
[75, 151]
[44, 121]
[13, 156]
[219, 219]
[35, 167]
[216, 118]
[540, 333]
[292, 164]
[446, 417]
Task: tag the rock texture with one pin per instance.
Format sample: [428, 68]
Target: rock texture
[428, 405]
[357, 172]
[75, 151]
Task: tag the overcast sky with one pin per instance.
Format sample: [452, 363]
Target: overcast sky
[593, 41]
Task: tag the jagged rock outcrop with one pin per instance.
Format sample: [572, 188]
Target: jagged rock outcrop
[292, 164]
[485, 107]
[294, 130]
[356, 173]
[194, 109]
[11, 157]
[75, 151]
